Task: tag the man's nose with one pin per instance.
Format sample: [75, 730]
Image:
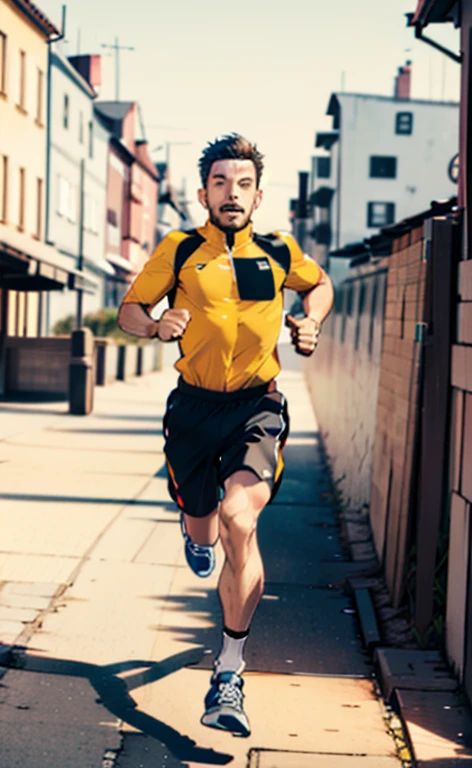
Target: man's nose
[233, 192]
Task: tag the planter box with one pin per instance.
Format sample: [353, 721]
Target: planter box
[38, 366]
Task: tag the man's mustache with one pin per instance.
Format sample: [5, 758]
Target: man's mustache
[235, 208]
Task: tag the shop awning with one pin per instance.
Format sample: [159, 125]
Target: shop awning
[27, 264]
[119, 261]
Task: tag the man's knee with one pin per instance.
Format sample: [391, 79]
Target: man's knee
[240, 509]
[236, 516]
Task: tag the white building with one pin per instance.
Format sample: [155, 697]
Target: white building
[77, 171]
[386, 158]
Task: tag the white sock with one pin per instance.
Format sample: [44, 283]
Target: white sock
[230, 658]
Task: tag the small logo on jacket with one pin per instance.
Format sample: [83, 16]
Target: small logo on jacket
[263, 264]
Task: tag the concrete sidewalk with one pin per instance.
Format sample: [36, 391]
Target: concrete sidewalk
[120, 636]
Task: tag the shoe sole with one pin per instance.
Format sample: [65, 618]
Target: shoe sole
[202, 574]
[225, 722]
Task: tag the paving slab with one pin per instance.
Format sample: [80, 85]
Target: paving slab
[270, 759]
[29, 589]
[45, 568]
[411, 669]
[439, 728]
[330, 715]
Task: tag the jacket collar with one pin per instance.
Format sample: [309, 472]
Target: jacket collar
[217, 237]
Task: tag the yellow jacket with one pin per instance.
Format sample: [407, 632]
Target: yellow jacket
[234, 296]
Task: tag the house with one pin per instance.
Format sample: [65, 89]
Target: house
[172, 209]
[131, 233]
[383, 159]
[77, 181]
[30, 269]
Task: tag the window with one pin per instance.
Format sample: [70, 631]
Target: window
[39, 103]
[3, 63]
[404, 123]
[65, 114]
[383, 167]
[90, 142]
[39, 208]
[21, 212]
[22, 99]
[323, 167]
[4, 189]
[66, 204]
[112, 218]
[380, 214]
[81, 127]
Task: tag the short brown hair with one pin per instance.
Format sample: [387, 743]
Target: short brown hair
[230, 147]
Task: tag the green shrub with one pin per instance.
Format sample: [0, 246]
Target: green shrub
[65, 326]
[102, 323]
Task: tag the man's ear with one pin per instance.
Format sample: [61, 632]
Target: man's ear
[202, 197]
[258, 200]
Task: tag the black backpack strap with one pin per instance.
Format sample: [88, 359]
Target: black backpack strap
[276, 248]
[184, 250]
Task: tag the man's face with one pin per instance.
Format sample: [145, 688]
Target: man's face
[231, 194]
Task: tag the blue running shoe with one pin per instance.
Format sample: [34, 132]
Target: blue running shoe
[201, 559]
[224, 704]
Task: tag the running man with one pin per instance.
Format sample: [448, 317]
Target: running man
[226, 422]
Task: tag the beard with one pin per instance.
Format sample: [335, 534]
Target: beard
[216, 218]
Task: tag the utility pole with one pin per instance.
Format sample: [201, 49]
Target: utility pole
[80, 261]
[117, 48]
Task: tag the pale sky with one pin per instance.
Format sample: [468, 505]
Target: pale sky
[263, 68]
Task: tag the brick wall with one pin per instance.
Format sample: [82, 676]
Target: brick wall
[343, 380]
[460, 475]
[397, 407]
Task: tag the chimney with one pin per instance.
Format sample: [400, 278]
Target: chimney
[403, 82]
[302, 206]
[89, 66]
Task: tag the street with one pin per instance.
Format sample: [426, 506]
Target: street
[119, 636]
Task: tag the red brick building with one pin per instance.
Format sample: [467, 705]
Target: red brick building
[133, 190]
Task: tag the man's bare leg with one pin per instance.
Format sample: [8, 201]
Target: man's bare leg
[203, 530]
[240, 589]
[242, 577]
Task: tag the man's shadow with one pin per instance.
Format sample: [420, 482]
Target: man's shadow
[114, 694]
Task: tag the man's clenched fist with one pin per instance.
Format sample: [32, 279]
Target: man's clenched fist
[173, 324]
[304, 333]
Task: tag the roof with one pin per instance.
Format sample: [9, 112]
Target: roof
[37, 16]
[64, 64]
[142, 155]
[430, 11]
[380, 245]
[438, 208]
[333, 105]
[114, 110]
[326, 139]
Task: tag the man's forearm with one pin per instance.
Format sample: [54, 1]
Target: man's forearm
[317, 304]
[133, 319]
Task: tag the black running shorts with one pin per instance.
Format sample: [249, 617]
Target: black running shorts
[211, 435]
